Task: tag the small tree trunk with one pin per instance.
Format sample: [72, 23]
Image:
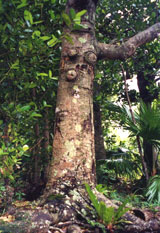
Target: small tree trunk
[100, 152]
[46, 144]
[150, 153]
[36, 151]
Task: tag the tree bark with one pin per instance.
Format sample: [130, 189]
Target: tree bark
[36, 151]
[73, 145]
[100, 152]
[46, 144]
[128, 48]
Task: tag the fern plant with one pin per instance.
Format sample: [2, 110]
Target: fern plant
[119, 164]
[108, 216]
[153, 191]
[147, 125]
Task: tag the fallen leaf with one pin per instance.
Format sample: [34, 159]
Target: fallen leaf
[7, 218]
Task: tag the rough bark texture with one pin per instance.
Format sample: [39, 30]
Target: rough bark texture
[73, 146]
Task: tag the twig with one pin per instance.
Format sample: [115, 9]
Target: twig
[134, 121]
[5, 76]
[63, 224]
[56, 229]
[39, 141]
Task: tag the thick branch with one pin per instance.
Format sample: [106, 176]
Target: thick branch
[127, 49]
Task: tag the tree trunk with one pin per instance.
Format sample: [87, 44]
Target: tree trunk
[100, 152]
[73, 145]
[150, 152]
[36, 151]
[46, 145]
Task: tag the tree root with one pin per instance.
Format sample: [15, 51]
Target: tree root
[75, 211]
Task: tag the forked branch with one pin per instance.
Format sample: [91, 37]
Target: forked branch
[127, 49]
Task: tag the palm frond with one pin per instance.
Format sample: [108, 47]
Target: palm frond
[153, 191]
[147, 122]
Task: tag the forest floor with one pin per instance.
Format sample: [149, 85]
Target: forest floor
[23, 216]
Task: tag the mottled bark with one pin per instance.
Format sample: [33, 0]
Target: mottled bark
[73, 146]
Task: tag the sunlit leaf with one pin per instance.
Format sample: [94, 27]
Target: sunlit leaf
[28, 16]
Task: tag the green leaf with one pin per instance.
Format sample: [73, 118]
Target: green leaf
[72, 13]
[79, 26]
[66, 19]
[38, 22]
[23, 4]
[25, 108]
[28, 16]
[51, 12]
[50, 73]
[32, 85]
[121, 210]
[36, 33]
[81, 13]
[53, 41]
[54, 78]
[44, 38]
[15, 65]
[93, 198]
[42, 74]
[108, 215]
[34, 114]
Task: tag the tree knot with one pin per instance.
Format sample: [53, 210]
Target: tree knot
[90, 57]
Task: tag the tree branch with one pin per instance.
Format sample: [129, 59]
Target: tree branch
[127, 49]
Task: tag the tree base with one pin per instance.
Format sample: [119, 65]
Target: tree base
[71, 212]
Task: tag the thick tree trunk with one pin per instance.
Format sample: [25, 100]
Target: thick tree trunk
[73, 145]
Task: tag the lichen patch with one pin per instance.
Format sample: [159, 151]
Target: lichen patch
[78, 128]
[70, 148]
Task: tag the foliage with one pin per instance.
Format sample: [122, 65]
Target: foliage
[147, 124]
[119, 164]
[153, 190]
[73, 20]
[123, 20]
[147, 121]
[107, 215]
[29, 73]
